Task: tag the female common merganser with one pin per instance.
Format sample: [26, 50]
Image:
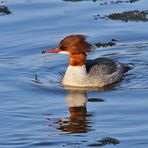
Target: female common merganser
[87, 73]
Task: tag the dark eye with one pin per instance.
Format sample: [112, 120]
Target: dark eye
[63, 48]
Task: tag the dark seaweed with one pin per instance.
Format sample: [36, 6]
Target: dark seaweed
[130, 16]
[126, 16]
[4, 10]
[105, 141]
[96, 100]
[106, 44]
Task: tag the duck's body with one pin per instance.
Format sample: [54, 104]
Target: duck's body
[95, 73]
[87, 73]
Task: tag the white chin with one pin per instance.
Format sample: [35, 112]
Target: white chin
[64, 52]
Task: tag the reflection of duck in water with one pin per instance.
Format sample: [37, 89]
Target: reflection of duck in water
[77, 122]
[87, 73]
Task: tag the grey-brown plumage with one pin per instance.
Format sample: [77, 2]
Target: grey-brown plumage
[107, 66]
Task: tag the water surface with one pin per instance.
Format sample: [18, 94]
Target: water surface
[36, 110]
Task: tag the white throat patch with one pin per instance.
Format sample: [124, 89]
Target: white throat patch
[64, 52]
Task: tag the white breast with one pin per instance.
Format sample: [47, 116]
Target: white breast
[74, 76]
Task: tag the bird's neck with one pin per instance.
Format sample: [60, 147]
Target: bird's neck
[77, 59]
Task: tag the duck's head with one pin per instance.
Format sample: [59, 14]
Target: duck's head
[73, 44]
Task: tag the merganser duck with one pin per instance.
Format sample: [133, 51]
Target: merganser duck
[87, 73]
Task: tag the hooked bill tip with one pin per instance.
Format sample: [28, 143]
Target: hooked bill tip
[44, 51]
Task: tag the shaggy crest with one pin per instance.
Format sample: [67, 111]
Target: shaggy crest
[75, 44]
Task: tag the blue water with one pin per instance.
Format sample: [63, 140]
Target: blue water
[36, 110]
